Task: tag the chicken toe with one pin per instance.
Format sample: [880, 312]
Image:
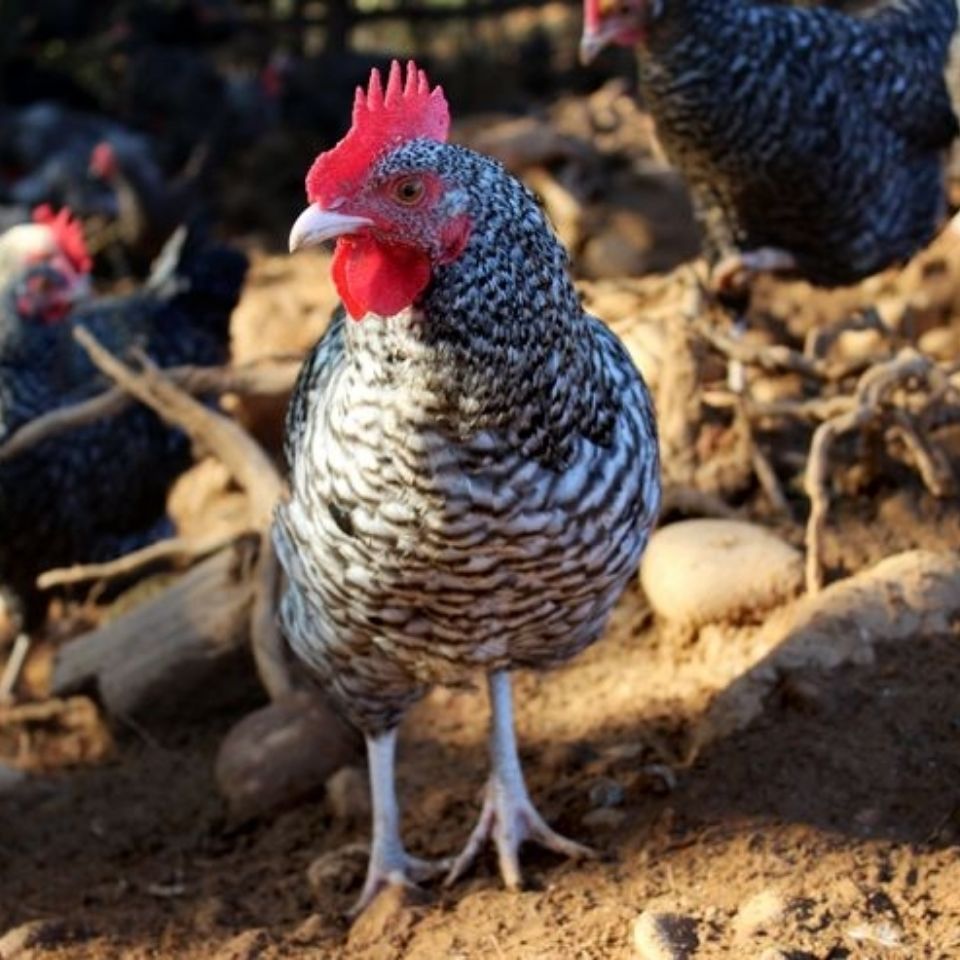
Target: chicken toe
[509, 817]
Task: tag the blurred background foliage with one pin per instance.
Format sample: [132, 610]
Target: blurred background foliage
[262, 85]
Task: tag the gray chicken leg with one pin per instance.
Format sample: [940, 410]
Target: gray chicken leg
[390, 864]
[509, 817]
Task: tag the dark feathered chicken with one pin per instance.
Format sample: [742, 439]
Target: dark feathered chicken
[473, 459]
[149, 205]
[94, 492]
[813, 141]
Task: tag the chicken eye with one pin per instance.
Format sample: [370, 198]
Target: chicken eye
[409, 191]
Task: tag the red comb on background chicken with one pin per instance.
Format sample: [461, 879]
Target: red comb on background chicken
[812, 139]
[473, 464]
[53, 250]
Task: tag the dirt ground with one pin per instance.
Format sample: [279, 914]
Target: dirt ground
[826, 829]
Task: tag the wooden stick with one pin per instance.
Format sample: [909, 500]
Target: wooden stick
[873, 401]
[269, 650]
[182, 547]
[223, 437]
[246, 462]
[11, 672]
[166, 649]
[274, 377]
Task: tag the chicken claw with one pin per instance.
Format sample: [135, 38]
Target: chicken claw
[389, 864]
[399, 869]
[508, 816]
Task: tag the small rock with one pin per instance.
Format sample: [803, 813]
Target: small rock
[859, 344]
[338, 870]
[759, 914]
[882, 934]
[665, 936]
[606, 792]
[348, 795]
[605, 818]
[282, 754]
[702, 571]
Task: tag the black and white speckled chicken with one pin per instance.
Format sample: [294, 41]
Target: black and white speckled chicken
[97, 491]
[813, 140]
[473, 459]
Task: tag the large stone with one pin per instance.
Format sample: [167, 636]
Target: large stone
[282, 754]
[704, 571]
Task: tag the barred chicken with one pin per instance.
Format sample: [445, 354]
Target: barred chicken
[473, 459]
[813, 140]
[100, 490]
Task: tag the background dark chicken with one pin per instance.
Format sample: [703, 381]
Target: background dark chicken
[95, 492]
[808, 132]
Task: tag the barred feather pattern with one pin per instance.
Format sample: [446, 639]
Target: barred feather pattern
[473, 480]
[810, 130]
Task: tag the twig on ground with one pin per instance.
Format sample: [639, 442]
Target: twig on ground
[820, 339]
[689, 500]
[873, 401]
[265, 640]
[223, 437]
[248, 464]
[13, 667]
[175, 547]
[679, 405]
[274, 377]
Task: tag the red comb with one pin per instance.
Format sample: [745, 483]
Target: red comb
[382, 120]
[68, 235]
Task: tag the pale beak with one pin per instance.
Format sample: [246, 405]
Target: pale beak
[314, 226]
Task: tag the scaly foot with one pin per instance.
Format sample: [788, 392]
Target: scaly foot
[509, 818]
[396, 868]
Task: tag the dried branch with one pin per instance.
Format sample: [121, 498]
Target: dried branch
[699, 503]
[274, 377]
[249, 466]
[773, 358]
[821, 339]
[930, 461]
[678, 397]
[175, 547]
[224, 438]
[269, 651]
[873, 401]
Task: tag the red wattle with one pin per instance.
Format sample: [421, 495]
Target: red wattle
[372, 277]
